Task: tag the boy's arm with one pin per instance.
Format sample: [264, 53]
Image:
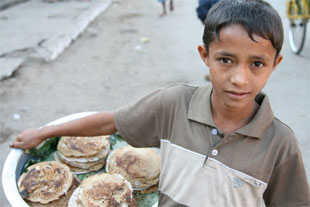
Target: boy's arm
[101, 123]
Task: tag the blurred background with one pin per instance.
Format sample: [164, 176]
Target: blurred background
[62, 57]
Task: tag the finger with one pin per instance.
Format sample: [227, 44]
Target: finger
[16, 144]
[18, 138]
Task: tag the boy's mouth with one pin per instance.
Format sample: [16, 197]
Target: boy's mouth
[237, 94]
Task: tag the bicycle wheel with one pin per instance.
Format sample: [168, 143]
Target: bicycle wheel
[297, 34]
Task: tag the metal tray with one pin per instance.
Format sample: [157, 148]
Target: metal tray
[15, 161]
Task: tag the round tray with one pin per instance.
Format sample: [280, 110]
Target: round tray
[15, 161]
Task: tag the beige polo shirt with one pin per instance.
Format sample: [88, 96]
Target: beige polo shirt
[258, 165]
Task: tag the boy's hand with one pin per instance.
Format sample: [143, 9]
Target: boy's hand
[28, 139]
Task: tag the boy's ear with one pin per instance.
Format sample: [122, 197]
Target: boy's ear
[203, 54]
[277, 61]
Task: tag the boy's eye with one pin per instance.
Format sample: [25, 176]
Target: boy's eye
[225, 60]
[257, 64]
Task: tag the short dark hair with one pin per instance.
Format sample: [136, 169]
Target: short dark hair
[256, 16]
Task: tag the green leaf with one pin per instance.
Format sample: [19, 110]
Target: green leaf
[146, 199]
[116, 141]
[82, 177]
[45, 149]
[43, 152]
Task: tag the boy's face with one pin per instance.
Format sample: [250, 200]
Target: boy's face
[239, 67]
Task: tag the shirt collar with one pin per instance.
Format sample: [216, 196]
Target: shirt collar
[200, 111]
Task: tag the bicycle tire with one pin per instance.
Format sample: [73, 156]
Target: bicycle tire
[297, 35]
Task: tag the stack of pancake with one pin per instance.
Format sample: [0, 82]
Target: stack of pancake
[50, 184]
[140, 166]
[83, 154]
[104, 190]
[47, 184]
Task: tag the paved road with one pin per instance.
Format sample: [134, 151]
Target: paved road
[44, 32]
[110, 65]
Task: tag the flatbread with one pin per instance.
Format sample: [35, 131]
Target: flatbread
[62, 201]
[74, 170]
[103, 190]
[100, 156]
[140, 166]
[90, 166]
[82, 146]
[83, 154]
[45, 182]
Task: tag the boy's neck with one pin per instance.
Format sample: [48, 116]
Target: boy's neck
[230, 120]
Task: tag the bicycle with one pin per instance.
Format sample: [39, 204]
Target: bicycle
[298, 12]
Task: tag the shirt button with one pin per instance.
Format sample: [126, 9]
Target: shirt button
[214, 131]
[215, 152]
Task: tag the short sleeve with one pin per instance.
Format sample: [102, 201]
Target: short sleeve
[288, 185]
[137, 123]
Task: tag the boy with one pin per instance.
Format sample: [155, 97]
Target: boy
[220, 144]
[203, 8]
[163, 3]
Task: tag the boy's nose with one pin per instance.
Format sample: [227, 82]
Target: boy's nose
[239, 75]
